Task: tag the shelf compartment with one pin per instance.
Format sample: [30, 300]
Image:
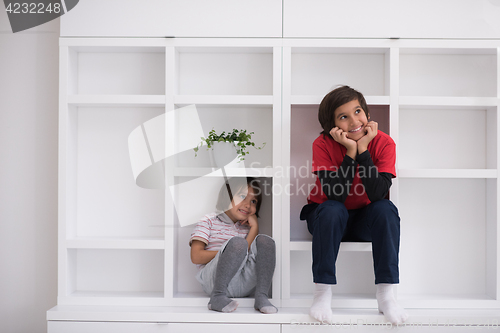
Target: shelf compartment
[447, 138]
[253, 118]
[448, 72]
[305, 128]
[117, 71]
[204, 191]
[316, 71]
[225, 71]
[99, 187]
[115, 273]
[452, 248]
[355, 277]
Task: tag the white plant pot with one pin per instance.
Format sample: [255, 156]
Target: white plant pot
[225, 155]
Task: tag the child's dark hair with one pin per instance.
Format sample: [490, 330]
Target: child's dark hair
[334, 99]
[232, 187]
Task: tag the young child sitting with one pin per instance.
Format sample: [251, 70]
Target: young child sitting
[234, 260]
[354, 163]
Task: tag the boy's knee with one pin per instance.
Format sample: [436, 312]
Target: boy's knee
[265, 241]
[384, 206]
[332, 208]
[386, 211]
[330, 215]
[237, 244]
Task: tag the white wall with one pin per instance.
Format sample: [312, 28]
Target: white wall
[28, 175]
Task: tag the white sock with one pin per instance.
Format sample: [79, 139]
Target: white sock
[393, 312]
[321, 308]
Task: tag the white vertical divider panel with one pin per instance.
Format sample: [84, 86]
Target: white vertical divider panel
[285, 164]
[277, 198]
[393, 68]
[170, 225]
[496, 249]
[497, 197]
[492, 203]
[63, 194]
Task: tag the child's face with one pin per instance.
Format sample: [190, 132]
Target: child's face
[351, 118]
[244, 205]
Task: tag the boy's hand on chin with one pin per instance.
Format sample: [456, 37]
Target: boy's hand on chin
[251, 221]
[371, 131]
[341, 137]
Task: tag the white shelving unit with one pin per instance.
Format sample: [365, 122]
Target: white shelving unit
[439, 102]
[111, 227]
[120, 244]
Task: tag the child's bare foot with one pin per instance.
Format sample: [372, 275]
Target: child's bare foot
[321, 308]
[393, 312]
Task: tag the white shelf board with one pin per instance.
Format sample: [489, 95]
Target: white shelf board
[224, 99]
[431, 301]
[113, 298]
[332, 45]
[344, 246]
[103, 44]
[114, 243]
[339, 301]
[117, 100]
[249, 315]
[201, 299]
[225, 44]
[447, 173]
[119, 294]
[230, 172]
[443, 101]
[316, 100]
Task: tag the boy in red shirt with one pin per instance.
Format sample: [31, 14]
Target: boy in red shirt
[355, 164]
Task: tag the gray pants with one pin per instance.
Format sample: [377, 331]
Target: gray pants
[243, 283]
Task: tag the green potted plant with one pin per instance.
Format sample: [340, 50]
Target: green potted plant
[227, 146]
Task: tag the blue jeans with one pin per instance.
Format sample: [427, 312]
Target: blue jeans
[330, 223]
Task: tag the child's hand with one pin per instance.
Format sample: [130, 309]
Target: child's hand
[371, 132]
[251, 222]
[341, 137]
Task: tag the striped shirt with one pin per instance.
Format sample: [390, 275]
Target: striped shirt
[215, 229]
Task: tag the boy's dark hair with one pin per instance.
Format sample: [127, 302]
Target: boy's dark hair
[334, 99]
[232, 187]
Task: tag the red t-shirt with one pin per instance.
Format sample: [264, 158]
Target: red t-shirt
[328, 154]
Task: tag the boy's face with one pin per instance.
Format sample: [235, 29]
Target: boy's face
[244, 205]
[351, 118]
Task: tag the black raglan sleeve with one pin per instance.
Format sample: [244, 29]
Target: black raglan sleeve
[377, 184]
[337, 184]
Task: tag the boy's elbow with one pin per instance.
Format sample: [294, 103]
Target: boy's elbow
[195, 258]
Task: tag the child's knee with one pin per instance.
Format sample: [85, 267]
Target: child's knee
[265, 242]
[331, 214]
[237, 244]
[332, 208]
[386, 212]
[385, 207]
